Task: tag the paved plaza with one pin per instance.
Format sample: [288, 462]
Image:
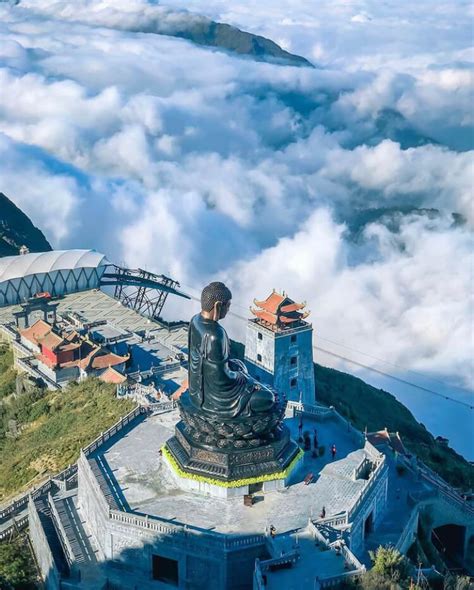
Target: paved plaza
[146, 485]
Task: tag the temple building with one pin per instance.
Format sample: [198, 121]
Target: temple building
[279, 347]
[60, 356]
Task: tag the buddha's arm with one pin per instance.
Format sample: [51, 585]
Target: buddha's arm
[218, 354]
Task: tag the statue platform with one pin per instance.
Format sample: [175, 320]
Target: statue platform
[224, 458]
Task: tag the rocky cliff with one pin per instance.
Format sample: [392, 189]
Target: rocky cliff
[17, 230]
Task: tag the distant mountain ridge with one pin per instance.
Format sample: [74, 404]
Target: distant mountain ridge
[16, 230]
[227, 37]
[201, 30]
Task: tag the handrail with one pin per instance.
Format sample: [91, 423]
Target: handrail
[375, 478]
[407, 529]
[21, 502]
[63, 539]
[446, 491]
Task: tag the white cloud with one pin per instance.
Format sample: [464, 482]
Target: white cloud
[199, 164]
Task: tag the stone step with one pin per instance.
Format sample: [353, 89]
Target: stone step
[77, 538]
[52, 536]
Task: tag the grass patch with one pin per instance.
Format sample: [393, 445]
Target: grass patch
[7, 372]
[52, 427]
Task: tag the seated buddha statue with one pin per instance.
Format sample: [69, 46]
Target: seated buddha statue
[219, 385]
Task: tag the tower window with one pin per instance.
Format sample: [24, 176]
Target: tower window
[293, 361]
[293, 383]
[293, 338]
[260, 336]
[165, 569]
[259, 358]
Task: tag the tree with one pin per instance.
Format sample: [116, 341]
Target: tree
[16, 567]
[389, 563]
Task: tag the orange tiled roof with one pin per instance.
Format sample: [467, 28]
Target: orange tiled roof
[111, 375]
[71, 346]
[292, 307]
[279, 310]
[38, 330]
[266, 316]
[287, 320]
[389, 438]
[51, 341]
[378, 438]
[271, 303]
[179, 392]
[102, 361]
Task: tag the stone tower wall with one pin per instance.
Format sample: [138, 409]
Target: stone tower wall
[269, 357]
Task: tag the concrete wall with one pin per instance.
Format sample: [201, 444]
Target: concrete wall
[268, 355]
[375, 503]
[42, 551]
[127, 545]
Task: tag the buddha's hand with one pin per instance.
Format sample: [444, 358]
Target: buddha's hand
[237, 365]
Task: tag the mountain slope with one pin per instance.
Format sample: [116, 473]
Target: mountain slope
[17, 230]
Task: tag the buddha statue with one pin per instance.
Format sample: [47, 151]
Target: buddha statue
[218, 385]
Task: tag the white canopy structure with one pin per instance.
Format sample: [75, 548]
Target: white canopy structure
[58, 272]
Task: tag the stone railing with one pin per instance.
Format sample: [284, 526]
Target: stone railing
[105, 436]
[165, 526]
[26, 365]
[163, 407]
[20, 503]
[351, 558]
[338, 520]
[408, 533]
[323, 413]
[17, 524]
[337, 580]
[9, 332]
[362, 468]
[445, 491]
[298, 408]
[258, 580]
[375, 477]
[58, 525]
[42, 550]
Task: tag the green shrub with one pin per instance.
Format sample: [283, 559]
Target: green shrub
[16, 565]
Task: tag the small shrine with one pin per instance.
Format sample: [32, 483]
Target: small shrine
[278, 312]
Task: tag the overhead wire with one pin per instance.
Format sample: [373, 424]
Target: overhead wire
[364, 366]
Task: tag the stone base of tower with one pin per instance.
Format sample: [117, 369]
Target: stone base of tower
[230, 473]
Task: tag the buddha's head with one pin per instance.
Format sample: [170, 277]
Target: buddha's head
[215, 301]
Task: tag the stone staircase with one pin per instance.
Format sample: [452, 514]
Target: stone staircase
[76, 538]
[46, 518]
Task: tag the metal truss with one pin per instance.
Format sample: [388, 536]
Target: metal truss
[141, 290]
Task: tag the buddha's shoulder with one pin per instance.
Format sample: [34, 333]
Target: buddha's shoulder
[212, 329]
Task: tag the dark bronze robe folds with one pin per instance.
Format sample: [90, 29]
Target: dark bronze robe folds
[219, 385]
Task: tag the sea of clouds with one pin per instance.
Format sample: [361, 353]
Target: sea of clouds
[202, 165]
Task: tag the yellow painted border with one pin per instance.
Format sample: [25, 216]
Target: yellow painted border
[236, 483]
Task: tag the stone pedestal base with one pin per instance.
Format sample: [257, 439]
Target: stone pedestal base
[229, 473]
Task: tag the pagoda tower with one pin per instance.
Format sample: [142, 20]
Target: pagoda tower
[279, 347]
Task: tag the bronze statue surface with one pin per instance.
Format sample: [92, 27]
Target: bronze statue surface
[231, 424]
[218, 384]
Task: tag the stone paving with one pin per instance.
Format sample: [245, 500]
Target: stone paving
[146, 485]
[312, 559]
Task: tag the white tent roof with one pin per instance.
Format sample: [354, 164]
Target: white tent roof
[15, 267]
